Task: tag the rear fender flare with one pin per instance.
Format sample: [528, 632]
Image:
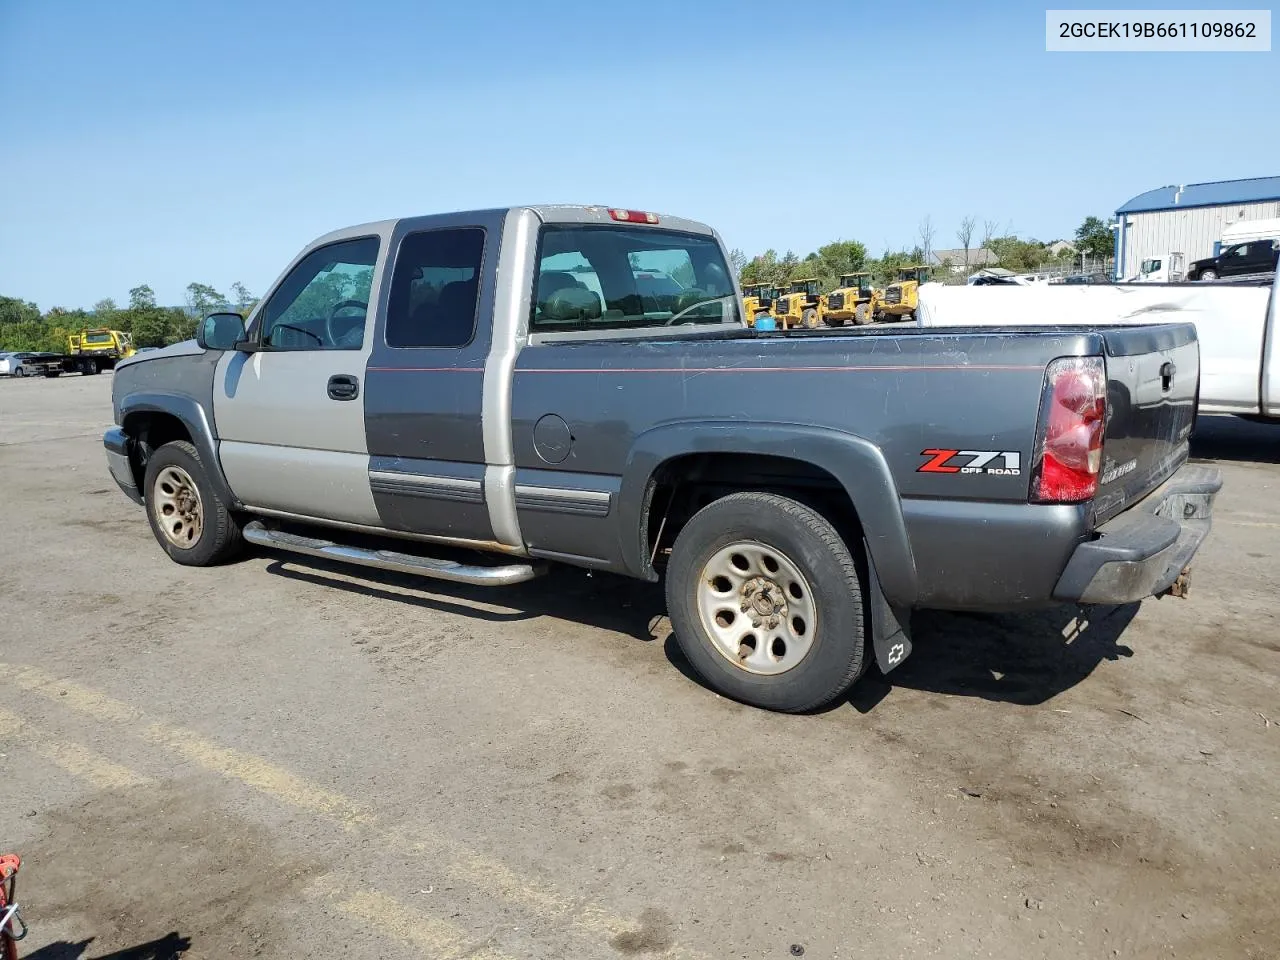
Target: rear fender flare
[857, 464]
[192, 416]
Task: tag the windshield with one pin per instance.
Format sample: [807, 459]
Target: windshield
[1150, 266]
[594, 277]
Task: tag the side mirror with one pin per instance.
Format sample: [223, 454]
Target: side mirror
[220, 331]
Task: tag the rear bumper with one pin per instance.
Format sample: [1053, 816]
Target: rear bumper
[117, 444]
[1143, 551]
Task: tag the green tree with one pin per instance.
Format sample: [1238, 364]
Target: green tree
[151, 327]
[763, 268]
[142, 297]
[244, 300]
[202, 299]
[179, 325]
[885, 270]
[13, 310]
[1020, 256]
[1093, 237]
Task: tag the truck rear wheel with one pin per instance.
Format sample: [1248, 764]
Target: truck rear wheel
[188, 519]
[766, 603]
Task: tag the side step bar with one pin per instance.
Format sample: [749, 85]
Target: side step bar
[258, 533]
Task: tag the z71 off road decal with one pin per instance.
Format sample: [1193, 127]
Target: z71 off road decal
[972, 461]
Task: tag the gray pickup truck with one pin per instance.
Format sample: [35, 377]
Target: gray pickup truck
[575, 385]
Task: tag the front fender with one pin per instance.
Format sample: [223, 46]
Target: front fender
[194, 417]
[857, 464]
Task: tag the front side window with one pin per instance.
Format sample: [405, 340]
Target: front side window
[324, 301]
[435, 288]
[1241, 251]
[602, 277]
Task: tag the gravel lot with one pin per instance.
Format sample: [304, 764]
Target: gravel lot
[283, 759]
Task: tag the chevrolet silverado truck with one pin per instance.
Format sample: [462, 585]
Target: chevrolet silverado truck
[475, 396]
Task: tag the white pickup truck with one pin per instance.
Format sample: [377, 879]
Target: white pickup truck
[1235, 322]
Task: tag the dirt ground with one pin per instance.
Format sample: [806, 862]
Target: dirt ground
[284, 759]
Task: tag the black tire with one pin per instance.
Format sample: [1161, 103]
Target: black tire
[838, 653]
[1208, 274]
[219, 536]
[20, 372]
[862, 314]
[810, 318]
[831, 321]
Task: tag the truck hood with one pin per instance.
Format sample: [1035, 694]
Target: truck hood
[184, 349]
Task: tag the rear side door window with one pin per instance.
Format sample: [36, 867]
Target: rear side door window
[324, 301]
[435, 288]
[1260, 255]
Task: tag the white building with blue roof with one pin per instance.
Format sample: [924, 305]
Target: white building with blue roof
[1188, 219]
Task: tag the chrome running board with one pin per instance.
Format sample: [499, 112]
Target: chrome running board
[258, 533]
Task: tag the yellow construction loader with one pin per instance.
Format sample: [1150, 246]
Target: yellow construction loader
[853, 301]
[799, 305]
[902, 298]
[757, 300]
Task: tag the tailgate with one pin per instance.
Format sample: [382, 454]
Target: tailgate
[1153, 377]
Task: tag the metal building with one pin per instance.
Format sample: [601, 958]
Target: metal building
[1188, 219]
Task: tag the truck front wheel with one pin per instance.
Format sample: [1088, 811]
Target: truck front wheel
[188, 519]
[766, 603]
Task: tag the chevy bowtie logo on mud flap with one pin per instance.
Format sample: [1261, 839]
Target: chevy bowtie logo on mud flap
[975, 461]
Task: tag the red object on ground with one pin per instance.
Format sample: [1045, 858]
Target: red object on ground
[9, 864]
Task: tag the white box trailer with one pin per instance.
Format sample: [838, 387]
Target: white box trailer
[1244, 231]
[1235, 323]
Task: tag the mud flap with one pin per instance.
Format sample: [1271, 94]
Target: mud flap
[890, 628]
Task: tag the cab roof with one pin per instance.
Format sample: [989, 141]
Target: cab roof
[546, 212]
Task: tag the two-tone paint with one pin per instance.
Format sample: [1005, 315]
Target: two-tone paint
[546, 444]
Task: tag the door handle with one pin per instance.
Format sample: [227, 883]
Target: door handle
[343, 386]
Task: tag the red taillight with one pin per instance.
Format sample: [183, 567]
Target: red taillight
[1073, 417]
[633, 216]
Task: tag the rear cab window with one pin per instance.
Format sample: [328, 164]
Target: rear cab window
[601, 277]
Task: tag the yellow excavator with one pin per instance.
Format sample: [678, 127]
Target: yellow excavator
[757, 300]
[902, 298]
[799, 304]
[855, 300]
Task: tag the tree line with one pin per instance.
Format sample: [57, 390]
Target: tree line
[830, 261]
[24, 327]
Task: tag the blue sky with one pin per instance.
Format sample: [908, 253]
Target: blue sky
[163, 142]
